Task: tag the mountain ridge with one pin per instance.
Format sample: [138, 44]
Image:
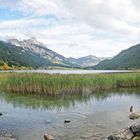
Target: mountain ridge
[85, 61]
[126, 59]
[30, 53]
[43, 56]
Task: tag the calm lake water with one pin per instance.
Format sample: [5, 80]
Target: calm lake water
[93, 116]
[72, 71]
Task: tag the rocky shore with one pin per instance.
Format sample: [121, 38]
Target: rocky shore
[129, 133]
[126, 133]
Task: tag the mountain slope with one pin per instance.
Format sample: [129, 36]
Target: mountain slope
[30, 53]
[39, 49]
[86, 61]
[17, 56]
[127, 59]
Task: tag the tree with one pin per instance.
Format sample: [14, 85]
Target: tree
[1, 63]
[5, 67]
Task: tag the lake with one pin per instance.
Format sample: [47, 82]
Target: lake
[72, 71]
[92, 116]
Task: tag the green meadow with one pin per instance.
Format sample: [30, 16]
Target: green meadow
[58, 84]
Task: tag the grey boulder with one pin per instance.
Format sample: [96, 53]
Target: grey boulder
[123, 134]
[135, 129]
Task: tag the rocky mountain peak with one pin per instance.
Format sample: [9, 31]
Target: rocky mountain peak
[14, 41]
[27, 42]
[32, 41]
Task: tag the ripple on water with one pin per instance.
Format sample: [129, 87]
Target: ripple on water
[76, 119]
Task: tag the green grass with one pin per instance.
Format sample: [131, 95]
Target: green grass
[137, 138]
[45, 84]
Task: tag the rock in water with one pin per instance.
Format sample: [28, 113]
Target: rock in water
[136, 129]
[67, 121]
[48, 137]
[131, 109]
[0, 114]
[123, 134]
[134, 116]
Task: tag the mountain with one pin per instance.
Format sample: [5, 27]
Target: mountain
[30, 53]
[86, 61]
[126, 59]
[35, 54]
[17, 56]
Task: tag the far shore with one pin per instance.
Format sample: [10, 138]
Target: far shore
[70, 71]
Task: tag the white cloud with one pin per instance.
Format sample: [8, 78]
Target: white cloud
[43, 7]
[76, 27]
[24, 27]
[109, 15]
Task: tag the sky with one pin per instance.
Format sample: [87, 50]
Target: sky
[73, 28]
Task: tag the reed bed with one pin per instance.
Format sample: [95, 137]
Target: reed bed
[52, 85]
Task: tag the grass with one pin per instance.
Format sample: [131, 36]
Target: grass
[52, 85]
[137, 138]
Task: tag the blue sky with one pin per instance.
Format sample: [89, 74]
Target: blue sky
[73, 27]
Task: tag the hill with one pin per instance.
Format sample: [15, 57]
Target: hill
[126, 59]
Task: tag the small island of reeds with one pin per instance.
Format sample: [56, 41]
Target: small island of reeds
[62, 84]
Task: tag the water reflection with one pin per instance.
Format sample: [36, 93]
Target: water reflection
[43, 102]
[92, 115]
[58, 102]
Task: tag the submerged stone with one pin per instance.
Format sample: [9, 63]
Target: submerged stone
[100, 125]
[4, 135]
[87, 135]
[7, 138]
